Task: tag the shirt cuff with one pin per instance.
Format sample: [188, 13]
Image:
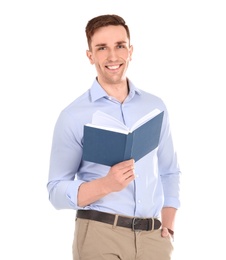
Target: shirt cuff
[72, 193]
[172, 202]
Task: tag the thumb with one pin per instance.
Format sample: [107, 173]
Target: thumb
[165, 232]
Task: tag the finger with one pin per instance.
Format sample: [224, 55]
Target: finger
[165, 232]
[129, 174]
[126, 165]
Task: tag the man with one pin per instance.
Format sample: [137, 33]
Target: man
[126, 211]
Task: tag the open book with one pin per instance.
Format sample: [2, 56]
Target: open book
[108, 141]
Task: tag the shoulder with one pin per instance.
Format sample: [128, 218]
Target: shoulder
[147, 97]
[152, 99]
[75, 113]
[80, 101]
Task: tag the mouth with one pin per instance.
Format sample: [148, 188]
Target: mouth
[113, 67]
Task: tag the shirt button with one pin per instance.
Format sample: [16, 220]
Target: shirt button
[139, 201]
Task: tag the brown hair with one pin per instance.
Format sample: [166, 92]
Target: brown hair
[102, 21]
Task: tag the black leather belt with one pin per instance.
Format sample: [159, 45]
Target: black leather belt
[117, 220]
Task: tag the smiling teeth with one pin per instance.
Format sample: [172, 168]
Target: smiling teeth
[113, 67]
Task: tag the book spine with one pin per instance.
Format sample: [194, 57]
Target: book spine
[128, 147]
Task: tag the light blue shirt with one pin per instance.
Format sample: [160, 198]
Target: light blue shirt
[157, 181]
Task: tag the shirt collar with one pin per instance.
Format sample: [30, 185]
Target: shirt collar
[97, 92]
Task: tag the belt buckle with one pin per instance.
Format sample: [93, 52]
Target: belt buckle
[134, 223]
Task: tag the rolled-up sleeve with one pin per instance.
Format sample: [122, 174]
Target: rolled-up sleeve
[66, 153]
[169, 169]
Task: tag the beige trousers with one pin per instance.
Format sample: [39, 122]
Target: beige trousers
[99, 241]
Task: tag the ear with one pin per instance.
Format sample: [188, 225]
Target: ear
[131, 52]
[90, 56]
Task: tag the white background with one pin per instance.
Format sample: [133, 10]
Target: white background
[179, 54]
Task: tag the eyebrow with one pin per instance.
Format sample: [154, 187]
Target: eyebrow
[100, 45]
[104, 44]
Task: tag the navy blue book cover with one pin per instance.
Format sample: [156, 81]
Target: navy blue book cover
[110, 147]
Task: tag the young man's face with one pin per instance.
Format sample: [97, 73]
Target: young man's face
[111, 54]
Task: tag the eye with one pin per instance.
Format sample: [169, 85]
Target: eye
[101, 48]
[120, 46]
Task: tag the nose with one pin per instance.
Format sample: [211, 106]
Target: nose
[112, 55]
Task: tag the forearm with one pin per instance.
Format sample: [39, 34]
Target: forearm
[119, 176]
[92, 191]
[168, 217]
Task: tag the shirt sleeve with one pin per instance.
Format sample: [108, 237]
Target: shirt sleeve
[65, 158]
[168, 166]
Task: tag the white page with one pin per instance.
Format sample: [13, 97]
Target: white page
[145, 118]
[104, 121]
